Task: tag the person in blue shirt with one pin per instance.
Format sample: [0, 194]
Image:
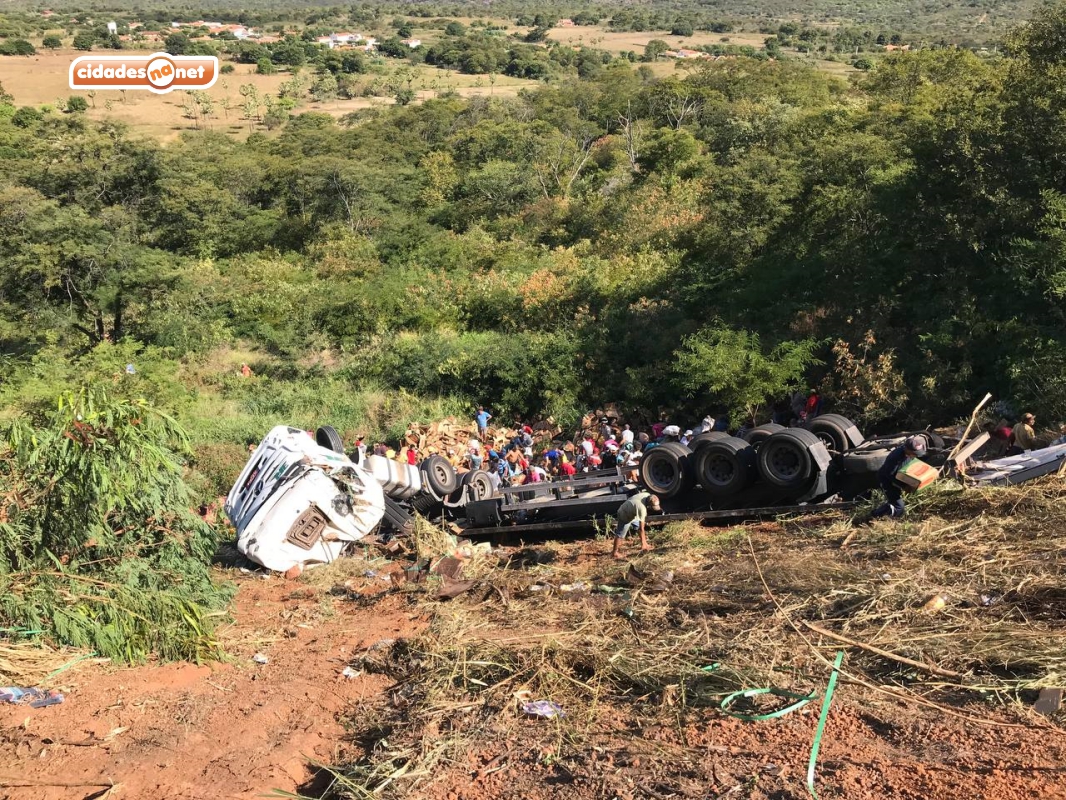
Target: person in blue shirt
[913, 447]
[482, 418]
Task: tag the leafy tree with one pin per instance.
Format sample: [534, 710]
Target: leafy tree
[404, 31]
[275, 117]
[682, 28]
[5, 96]
[17, 47]
[393, 47]
[52, 42]
[455, 29]
[654, 49]
[730, 367]
[83, 41]
[176, 44]
[404, 96]
[265, 67]
[353, 62]
[324, 89]
[26, 117]
[77, 104]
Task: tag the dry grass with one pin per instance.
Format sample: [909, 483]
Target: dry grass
[42, 80]
[738, 598]
[33, 663]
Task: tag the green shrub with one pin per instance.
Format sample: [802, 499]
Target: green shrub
[98, 545]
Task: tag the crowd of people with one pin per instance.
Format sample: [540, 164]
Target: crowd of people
[520, 457]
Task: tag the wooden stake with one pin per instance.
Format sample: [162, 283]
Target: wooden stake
[943, 673]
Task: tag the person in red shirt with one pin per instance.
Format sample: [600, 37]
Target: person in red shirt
[412, 456]
[814, 405]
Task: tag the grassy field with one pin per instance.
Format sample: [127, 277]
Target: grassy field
[621, 41]
[42, 79]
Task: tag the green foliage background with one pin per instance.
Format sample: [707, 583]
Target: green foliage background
[609, 235]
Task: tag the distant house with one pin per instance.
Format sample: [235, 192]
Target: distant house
[686, 53]
[268, 39]
[112, 27]
[412, 43]
[565, 23]
[369, 43]
[47, 13]
[900, 47]
[342, 39]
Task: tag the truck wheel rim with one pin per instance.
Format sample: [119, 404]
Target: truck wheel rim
[827, 440]
[719, 470]
[662, 473]
[786, 462]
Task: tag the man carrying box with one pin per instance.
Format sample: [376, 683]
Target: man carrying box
[913, 447]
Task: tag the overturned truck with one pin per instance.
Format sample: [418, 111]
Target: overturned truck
[301, 500]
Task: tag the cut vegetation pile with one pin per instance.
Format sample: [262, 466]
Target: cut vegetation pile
[98, 546]
[960, 608]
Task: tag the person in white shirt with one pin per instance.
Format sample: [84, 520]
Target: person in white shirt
[627, 436]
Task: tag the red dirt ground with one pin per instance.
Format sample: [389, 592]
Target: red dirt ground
[233, 730]
[241, 730]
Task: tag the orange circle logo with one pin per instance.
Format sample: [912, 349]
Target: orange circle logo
[160, 72]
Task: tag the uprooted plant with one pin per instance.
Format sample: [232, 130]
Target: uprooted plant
[98, 545]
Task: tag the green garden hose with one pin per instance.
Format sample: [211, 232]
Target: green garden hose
[821, 723]
[800, 700]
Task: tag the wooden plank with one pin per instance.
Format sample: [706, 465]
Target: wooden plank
[971, 448]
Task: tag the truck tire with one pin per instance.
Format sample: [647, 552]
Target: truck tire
[786, 459]
[700, 440]
[666, 470]
[479, 484]
[837, 433]
[439, 476]
[866, 461]
[726, 466]
[756, 436]
[327, 437]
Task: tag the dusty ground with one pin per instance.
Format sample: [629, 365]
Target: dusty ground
[435, 712]
[42, 79]
[234, 730]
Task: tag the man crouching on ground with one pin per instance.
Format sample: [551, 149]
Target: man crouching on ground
[634, 514]
[913, 447]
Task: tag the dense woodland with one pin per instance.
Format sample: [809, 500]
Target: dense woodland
[955, 20]
[713, 238]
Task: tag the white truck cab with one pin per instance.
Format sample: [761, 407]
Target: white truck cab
[298, 503]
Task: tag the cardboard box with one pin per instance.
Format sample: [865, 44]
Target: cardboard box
[915, 474]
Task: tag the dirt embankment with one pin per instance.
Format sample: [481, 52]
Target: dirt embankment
[233, 730]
